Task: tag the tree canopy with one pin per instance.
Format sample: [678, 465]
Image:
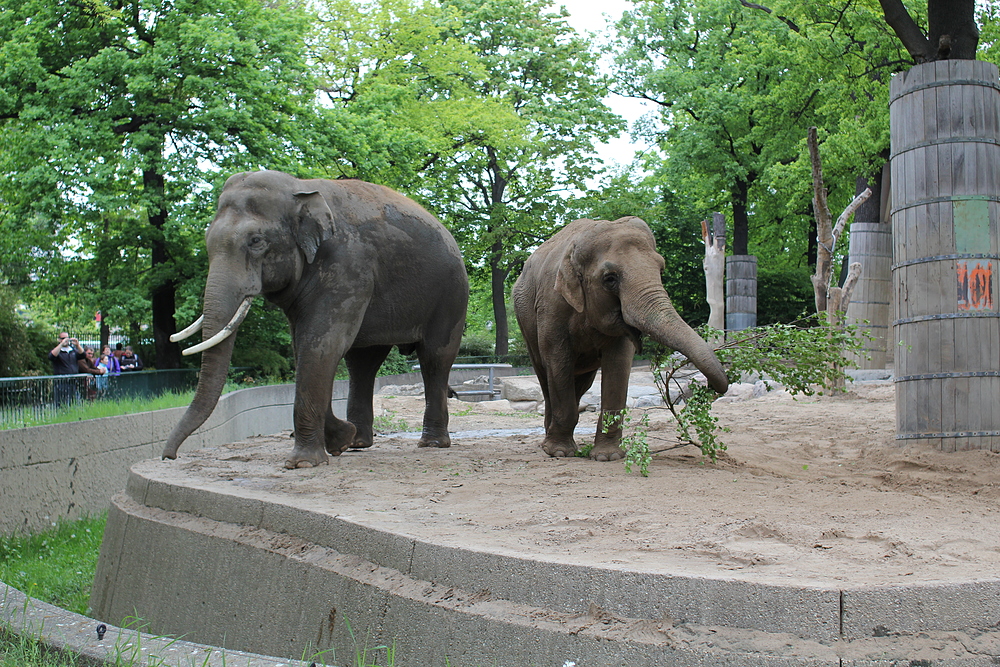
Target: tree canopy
[120, 120]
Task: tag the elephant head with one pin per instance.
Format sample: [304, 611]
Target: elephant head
[610, 274]
[265, 234]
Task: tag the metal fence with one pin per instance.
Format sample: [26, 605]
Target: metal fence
[24, 400]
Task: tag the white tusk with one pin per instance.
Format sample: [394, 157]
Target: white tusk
[226, 330]
[181, 335]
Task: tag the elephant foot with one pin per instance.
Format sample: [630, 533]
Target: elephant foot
[559, 448]
[300, 458]
[607, 453]
[360, 443]
[340, 438]
[440, 442]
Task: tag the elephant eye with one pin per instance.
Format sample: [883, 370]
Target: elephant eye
[256, 241]
[610, 280]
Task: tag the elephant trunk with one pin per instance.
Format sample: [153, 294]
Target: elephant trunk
[649, 310]
[214, 368]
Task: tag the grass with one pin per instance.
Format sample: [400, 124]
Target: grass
[57, 565]
[18, 651]
[111, 408]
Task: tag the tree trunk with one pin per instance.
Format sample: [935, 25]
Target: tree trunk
[715, 270]
[952, 33]
[168, 354]
[498, 273]
[741, 222]
[498, 283]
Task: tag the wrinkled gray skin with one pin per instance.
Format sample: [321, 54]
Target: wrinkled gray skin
[583, 300]
[357, 268]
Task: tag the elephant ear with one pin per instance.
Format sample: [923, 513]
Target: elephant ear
[568, 281]
[315, 223]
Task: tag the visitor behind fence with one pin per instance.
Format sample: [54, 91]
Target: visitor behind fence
[88, 365]
[113, 365]
[104, 363]
[130, 361]
[64, 362]
[65, 354]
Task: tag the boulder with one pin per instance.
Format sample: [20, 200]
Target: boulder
[521, 388]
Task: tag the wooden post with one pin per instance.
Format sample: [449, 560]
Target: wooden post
[714, 265]
[741, 292]
[871, 246]
[945, 137]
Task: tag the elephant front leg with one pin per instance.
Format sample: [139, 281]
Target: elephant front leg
[616, 366]
[315, 425]
[363, 365]
[561, 411]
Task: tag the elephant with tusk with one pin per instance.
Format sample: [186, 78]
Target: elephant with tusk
[357, 268]
[583, 300]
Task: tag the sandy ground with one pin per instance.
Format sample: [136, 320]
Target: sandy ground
[811, 491]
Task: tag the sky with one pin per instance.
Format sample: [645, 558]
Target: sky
[591, 16]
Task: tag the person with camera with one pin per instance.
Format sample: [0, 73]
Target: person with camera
[65, 358]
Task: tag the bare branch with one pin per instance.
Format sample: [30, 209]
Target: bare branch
[784, 19]
[853, 274]
[848, 212]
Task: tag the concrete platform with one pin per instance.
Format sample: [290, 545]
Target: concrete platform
[223, 561]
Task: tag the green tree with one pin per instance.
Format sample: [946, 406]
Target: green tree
[731, 103]
[116, 117]
[505, 186]
[24, 346]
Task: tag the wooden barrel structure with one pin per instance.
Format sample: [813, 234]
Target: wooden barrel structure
[871, 245]
[945, 128]
[741, 292]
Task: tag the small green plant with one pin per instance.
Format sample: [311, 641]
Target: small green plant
[389, 422]
[635, 438]
[803, 359]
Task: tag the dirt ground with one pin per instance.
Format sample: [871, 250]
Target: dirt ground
[812, 491]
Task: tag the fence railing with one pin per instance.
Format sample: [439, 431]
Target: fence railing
[30, 399]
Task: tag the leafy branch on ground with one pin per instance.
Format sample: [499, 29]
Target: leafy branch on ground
[805, 357]
[635, 440]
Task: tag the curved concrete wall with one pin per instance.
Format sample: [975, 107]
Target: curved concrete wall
[65, 471]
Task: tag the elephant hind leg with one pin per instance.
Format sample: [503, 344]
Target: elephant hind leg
[338, 434]
[363, 364]
[437, 354]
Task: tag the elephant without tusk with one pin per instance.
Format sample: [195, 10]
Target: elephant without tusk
[583, 300]
[357, 268]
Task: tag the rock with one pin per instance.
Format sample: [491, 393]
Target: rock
[744, 391]
[402, 390]
[526, 406]
[521, 388]
[643, 396]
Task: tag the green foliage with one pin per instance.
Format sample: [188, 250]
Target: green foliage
[476, 344]
[635, 438]
[390, 422]
[784, 294]
[57, 565]
[804, 360]
[24, 347]
[264, 343]
[396, 364]
[115, 122]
